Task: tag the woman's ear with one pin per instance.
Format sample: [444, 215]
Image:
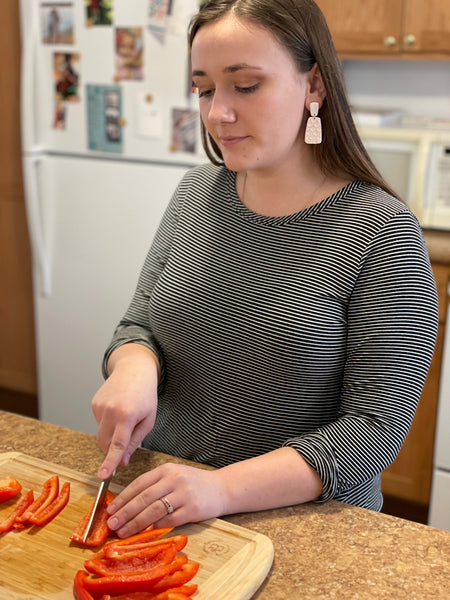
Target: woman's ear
[315, 91]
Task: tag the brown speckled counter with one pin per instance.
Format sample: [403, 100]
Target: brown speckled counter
[326, 552]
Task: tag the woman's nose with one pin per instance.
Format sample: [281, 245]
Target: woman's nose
[221, 109]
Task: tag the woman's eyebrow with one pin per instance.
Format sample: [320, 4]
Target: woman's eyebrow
[230, 69]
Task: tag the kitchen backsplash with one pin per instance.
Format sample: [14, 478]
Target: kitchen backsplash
[419, 88]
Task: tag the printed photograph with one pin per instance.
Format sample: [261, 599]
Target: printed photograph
[66, 75]
[185, 126]
[158, 11]
[99, 12]
[59, 114]
[104, 112]
[129, 47]
[57, 22]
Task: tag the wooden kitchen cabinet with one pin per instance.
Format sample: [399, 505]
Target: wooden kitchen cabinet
[409, 477]
[17, 341]
[389, 28]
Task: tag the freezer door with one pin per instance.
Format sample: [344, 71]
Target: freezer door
[146, 104]
[440, 501]
[98, 220]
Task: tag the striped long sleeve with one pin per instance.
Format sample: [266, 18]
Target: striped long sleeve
[313, 330]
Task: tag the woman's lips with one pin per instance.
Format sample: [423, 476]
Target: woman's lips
[231, 140]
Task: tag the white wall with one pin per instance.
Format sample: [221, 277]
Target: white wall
[418, 87]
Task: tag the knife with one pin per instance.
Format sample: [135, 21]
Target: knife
[103, 488]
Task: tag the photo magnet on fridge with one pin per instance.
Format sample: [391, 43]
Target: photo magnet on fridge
[129, 53]
[57, 22]
[99, 12]
[104, 118]
[66, 69]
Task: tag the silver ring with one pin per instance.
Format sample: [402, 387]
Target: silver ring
[167, 504]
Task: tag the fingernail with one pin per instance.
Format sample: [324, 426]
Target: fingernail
[102, 472]
[126, 459]
[123, 532]
[111, 509]
[113, 523]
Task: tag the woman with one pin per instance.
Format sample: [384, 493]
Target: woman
[285, 317]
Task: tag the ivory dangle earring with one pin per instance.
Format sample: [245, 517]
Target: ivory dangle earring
[313, 132]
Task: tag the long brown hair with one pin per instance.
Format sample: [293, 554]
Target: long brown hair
[300, 27]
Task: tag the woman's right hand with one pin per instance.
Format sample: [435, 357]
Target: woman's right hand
[125, 406]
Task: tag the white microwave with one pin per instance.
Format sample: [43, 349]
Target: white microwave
[416, 164]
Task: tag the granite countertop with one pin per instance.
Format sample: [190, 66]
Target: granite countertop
[321, 552]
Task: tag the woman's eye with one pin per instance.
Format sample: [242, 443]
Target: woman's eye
[208, 92]
[204, 93]
[247, 90]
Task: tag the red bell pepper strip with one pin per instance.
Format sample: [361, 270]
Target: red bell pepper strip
[179, 593]
[79, 591]
[177, 578]
[8, 523]
[172, 596]
[133, 562]
[186, 591]
[148, 536]
[9, 488]
[116, 550]
[126, 583]
[50, 491]
[47, 513]
[101, 530]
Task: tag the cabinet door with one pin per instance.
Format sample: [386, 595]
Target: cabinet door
[372, 26]
[427, 26]
[409, 477]
[17, 351]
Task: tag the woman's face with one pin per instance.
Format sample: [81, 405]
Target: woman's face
[251, 95]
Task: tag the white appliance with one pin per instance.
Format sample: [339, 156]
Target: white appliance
[416, 164]
[439, 514]
[92, 214]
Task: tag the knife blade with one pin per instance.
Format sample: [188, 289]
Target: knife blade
[103, 488]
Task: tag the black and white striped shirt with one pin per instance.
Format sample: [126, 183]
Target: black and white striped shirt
[313, 330]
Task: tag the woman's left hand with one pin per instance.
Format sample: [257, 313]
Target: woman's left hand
[195, 494]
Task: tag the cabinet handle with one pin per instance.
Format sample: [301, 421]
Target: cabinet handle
[390, 41]
[409, 39]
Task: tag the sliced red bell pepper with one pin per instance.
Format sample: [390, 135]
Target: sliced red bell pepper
[177, 578]
[9, 487]
[8, 523]
[126, 583]
[132, 562]
[50, 491]
[179, 593]
[115, 549]
[148, 536]
[79, 591]
[185, 591]
[47, 513]
[101, 530]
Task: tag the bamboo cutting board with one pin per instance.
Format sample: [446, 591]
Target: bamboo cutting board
[41, 562]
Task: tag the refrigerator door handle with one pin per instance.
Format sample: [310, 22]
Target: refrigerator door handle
[35, 227]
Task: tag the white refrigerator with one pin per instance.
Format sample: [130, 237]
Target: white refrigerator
[439, 515]
[107, 133]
